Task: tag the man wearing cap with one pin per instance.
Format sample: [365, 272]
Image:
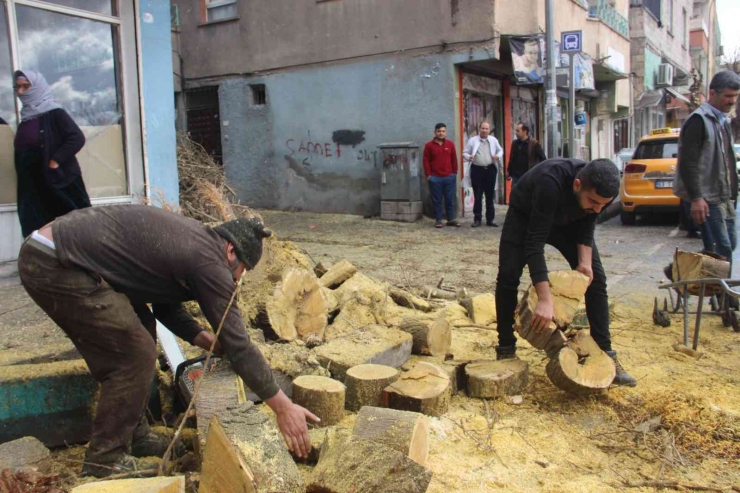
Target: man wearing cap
[94, 270]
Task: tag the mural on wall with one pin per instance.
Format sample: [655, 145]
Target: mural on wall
[527, 56]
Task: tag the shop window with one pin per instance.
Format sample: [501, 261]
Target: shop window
[220, 10]
[83, 72]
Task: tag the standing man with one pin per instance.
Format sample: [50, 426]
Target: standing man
[556, 203]
[440, 168]
[483, 152]
[706, 176]
[90, 268]
[526, 153]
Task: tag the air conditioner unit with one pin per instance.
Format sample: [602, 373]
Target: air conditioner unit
[665, 75]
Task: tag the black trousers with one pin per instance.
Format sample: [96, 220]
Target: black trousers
[484, 184]
[511, 264]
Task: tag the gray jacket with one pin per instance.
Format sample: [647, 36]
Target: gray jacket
[717, 177]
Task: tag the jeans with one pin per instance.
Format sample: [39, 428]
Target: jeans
[718, 231]
[514, 180]
[511, 264]
[484, 183]
[443, 187]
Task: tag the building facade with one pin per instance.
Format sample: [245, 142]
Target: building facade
[296, 98]
[109, 64]
[661, 61]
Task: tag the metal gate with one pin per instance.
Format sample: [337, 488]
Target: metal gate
[204, 123]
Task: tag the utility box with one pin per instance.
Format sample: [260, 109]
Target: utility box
[400, 182]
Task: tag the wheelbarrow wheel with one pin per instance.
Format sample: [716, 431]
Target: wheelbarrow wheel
[728, 316]
[734, 321]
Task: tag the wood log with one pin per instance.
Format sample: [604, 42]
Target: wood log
[481, 308]
[568, 288]
[403, 431]
[365, 384]
[691, 265]
[287, 362]
[454, 368]
[322, 396]
[337, 274]
[408, 300]
[368, 344]
[245, 453]
[425, 389]
[163, 484]
[322, 268]
[219, 389]
[431, 292]
[297, 308]
[581, 366]
[330, 299]
[491, 379]
[429, 338]
[361, 287]
[374, 468]
[355, 313]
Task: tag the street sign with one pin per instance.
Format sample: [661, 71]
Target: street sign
[571, 41]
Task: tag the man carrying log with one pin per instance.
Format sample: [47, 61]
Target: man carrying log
[556, 203]
[89, 269]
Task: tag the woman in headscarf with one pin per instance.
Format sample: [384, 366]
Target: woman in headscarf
[49, 176]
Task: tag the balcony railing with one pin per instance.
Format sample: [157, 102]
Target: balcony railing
[601, 9]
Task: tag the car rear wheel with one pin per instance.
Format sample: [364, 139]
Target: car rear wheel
[628, 218]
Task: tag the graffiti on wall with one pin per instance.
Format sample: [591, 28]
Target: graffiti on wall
[309, 152]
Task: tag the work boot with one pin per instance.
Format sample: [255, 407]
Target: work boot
[153, 445]
[623, 378]
[491, 224]
[506, 352]
[124, 464]
[476, 224]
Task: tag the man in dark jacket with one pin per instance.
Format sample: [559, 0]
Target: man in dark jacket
[88, 271]
[556, 203]
[706, 176]
[526, 153]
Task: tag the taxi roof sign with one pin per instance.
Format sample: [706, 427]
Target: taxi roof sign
[659, 131]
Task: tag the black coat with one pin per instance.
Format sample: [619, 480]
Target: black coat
[60, 139]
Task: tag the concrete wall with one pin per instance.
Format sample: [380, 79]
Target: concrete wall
[313, 146]
[159, 107]
[284, 33]
[669, 45]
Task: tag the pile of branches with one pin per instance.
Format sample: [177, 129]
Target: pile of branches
[204, 193]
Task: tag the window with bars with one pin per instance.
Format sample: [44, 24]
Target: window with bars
[220, 10]
[259, 94]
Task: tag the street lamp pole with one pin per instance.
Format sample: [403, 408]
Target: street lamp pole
[551, 102]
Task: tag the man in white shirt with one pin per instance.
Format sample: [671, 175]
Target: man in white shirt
[483, 152]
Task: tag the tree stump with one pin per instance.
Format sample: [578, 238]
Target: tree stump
[481, 308]
[425, 389]
[245, 453]
[690, 265]
[352, 464]
[337, 274]
[491, 379]
[568, 288]
[365, 384]
[581, 366]
[322, 268]
[403, 431]
[297, 308]
[429, 338]
[408, 300]
[322, 396]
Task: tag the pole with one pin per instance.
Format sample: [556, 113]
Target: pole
[572, 107]
[551, 102]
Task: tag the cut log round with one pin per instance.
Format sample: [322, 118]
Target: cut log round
[481, 308]
[425, 389]
[244, 452]
[429, 338]
[568, 288]
[581, 366]
[297, 308]
[352, 464]
[691, 265]
[365, 384]
[337, 274]
[404, 431]
[491, 379]
[322, 396]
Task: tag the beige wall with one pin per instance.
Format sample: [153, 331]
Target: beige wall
[284, 33]
[673, 46]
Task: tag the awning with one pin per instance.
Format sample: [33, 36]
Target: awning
[649, 99]
[605, 73]
[678, 95]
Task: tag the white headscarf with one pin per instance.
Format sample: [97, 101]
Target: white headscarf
[39, 98]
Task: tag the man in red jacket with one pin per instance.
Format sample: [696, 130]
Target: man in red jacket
[440, 168]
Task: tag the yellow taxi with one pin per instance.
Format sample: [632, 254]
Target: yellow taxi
[647, 184]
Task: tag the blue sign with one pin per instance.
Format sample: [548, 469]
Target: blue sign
[571, 41]
[581, 118]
